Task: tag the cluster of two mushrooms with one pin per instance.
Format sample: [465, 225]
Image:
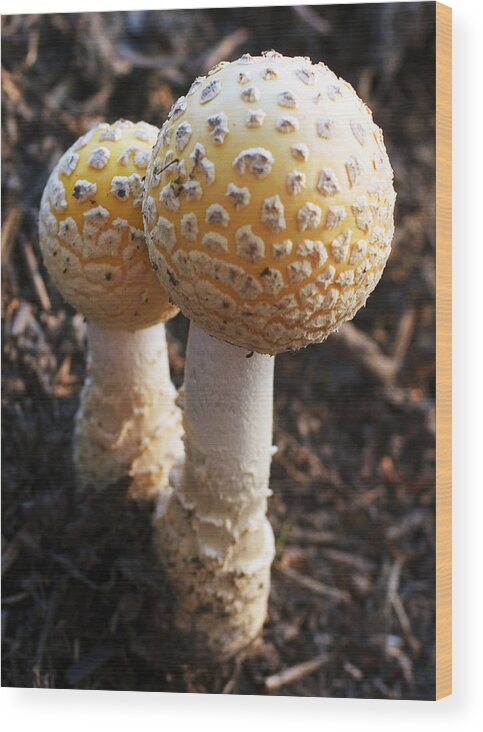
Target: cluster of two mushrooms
[268, 214]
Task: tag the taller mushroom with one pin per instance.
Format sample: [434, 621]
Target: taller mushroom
[92, 240]
[269, 219]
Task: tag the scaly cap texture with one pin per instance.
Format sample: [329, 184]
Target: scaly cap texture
[269, 203]
[91, 228]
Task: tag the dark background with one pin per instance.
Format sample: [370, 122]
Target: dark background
[84, 603]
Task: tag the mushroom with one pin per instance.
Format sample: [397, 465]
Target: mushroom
[93, 245]
[269, 225]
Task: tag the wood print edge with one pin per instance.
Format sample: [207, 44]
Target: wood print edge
[443, 353]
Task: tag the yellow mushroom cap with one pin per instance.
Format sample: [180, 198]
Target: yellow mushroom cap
[91, 228]
[269, 203]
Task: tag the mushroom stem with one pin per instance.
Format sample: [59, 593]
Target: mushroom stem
[127, 422]
[212, 534]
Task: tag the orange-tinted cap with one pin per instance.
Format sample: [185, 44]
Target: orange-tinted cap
[91, 228]
[269, 203]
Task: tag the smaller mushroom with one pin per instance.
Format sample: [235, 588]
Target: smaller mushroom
[92, 240]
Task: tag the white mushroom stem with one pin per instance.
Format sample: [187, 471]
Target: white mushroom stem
[128, 423]
[212, 533]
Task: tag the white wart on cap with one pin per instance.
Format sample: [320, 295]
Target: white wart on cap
[91, 228]
[269, 203]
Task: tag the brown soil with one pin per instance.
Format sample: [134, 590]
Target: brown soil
[353, 508]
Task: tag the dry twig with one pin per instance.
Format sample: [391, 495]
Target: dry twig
[9, 232]
[224, 49]
[289, 675]
[37, 279]
[394, 600]
[313, 19]
[366, 352]
[315, 586]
